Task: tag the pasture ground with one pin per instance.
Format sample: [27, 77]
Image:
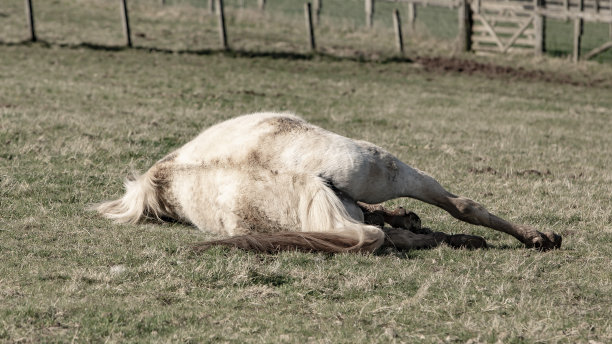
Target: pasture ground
[536, 150]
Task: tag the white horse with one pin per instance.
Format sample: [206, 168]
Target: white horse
[274, 182]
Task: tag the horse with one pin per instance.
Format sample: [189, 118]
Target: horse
[273, 182]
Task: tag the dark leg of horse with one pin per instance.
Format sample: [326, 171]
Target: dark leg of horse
[407, 232]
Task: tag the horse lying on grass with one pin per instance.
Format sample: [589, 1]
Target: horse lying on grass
[273, 182]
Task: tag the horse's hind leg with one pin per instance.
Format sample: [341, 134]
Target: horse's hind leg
[418, 185]
[469, 211]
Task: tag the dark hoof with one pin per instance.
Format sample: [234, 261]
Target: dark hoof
[545, 241]
[470, 242]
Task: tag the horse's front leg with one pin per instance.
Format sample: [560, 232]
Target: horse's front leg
[407, 232]
[397, 218]
[402, 239]
[376, 214]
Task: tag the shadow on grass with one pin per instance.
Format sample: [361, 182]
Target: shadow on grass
[229, 52]
[383, 252]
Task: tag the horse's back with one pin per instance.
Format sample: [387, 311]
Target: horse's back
[283, 143]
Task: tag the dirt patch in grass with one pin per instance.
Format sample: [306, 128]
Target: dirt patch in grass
[490, 70]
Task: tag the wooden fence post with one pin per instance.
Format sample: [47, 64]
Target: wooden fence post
[465, 26]
[539, 27]
[412, 13]
[126, 23]
[222, 31]
[369, 12]
[317, 10]
[399, 42]
[262, 4]
[578, 24]
[30, 18]
[309, 28]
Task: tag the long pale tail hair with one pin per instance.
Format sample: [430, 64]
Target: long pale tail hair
[140, 201]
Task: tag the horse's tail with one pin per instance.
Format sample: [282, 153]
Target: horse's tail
[288, 241]
[326, 227]
[141, 200]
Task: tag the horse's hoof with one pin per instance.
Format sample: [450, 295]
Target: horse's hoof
[545, 241]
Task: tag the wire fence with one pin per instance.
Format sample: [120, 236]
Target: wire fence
[181, 25]
[189, 25]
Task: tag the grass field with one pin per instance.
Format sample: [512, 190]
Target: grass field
[533, 145]
[75, 122]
